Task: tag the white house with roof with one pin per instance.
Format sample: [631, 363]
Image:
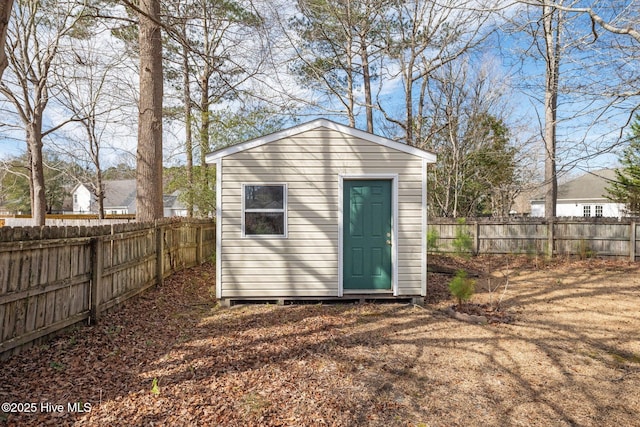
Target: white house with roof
[120, 198]
[584, 196]
[82, 199]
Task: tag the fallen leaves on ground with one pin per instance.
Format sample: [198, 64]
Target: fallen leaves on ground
[174, 357]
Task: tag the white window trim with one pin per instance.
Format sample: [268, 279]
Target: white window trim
[284, 211]
[394, 226]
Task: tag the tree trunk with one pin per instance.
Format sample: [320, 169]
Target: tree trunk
[205, 119]
[5, 13]
[366, 75]
[38, 197]
[100, 193]
[552, 23]
[149, 205]
[186, 94]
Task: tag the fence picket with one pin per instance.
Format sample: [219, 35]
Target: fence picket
[76, 272]
[563, 236]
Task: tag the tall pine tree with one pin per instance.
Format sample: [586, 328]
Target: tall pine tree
[626, 188]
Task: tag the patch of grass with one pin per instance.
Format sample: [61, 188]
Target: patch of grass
[113, 329]
[254, 404]
[623, 357]
[57, 366]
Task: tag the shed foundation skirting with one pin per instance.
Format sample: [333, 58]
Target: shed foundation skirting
[347, 299]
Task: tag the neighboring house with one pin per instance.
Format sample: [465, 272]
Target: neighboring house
[321, 210]
[173, 206]
[120, 198]
[585, 196]
[82, 199]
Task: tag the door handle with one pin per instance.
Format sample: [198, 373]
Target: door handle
[389, 242]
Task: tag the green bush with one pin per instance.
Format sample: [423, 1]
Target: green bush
[584, 250]
[462, 287]
[432, 240]
[463, 242]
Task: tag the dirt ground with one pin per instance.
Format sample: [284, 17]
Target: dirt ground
[570, 356]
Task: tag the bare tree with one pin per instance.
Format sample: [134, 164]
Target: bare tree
[149, 204]
[584, 85]
[336, 46]
[552, 22]
[88, 88]
[33, 41]
[5, 14]
[423, 37]
[476, 171]
[624, 28]
[213, 53]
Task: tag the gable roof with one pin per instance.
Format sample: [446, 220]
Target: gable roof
[120, 192]
[316, 124]
[590, 186]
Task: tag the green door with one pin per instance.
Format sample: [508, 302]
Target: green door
[367, 235]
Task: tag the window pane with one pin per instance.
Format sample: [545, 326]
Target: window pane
[264, 197]
[264, 223]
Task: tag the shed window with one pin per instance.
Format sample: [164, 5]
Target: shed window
[586, 210]
[264, 210]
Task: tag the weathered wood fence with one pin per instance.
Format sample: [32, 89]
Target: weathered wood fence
[603, 237]
[54, 277]
[88, 220]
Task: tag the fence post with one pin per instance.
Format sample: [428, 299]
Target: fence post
[476, 238]
[97, 267]
[199, 249]
[159, 254]
[550, 238]
[632, 242]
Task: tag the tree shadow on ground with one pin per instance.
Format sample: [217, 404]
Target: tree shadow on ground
[371, 364]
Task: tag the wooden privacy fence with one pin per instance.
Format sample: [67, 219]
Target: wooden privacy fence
[604, 237]
[54, 277]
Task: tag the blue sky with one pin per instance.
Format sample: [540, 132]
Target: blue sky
[573, 133]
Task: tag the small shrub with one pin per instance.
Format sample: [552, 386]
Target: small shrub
[462, 287]
[432, 240]
[584, 250]
[463, 242]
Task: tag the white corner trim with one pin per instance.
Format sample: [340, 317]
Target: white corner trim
[394, 234]
[423, 253]
[340, 235]
[218, 164]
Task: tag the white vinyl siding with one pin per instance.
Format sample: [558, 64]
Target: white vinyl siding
[306, 263]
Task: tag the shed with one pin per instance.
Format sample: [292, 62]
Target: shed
[320, 211]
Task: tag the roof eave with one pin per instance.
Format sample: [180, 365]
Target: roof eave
[315, 124]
